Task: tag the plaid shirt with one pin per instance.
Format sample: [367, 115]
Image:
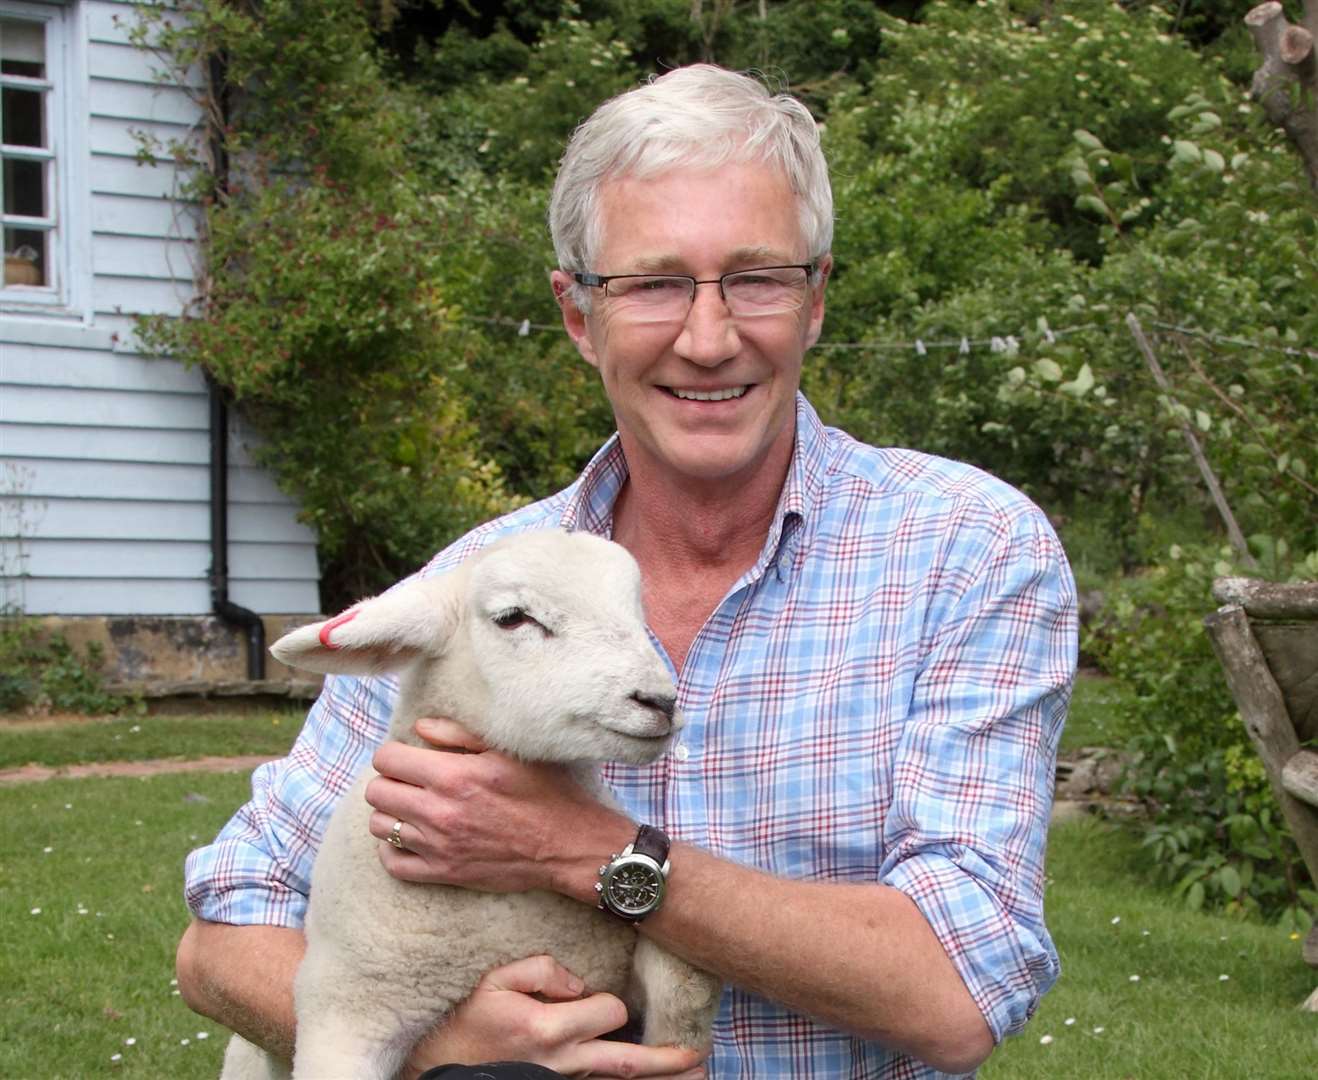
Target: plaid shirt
[878, 699]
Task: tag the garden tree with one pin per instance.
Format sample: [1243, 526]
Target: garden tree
[1286, 83]
[322, 310]
[1032, 180]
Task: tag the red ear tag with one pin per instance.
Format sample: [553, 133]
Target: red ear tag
[334, 624]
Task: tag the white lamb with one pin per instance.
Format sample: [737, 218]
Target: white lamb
[538, 645]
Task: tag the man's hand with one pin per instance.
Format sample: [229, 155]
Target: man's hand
[533, 1010]
[482, 820]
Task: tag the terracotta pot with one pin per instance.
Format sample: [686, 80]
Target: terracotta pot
[21, 271]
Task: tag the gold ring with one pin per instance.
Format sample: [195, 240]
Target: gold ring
[395, 836]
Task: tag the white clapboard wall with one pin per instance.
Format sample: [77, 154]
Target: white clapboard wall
[104, 453]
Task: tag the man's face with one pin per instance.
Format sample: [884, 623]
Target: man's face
[704, 224]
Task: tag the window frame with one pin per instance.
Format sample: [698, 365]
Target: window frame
[65, 269]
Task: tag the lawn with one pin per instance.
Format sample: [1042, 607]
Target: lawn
[90, 903]
[1150, 990]
[91, 875]
[1091, 720]
[138, 738]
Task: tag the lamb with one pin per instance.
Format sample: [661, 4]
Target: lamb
[538, 645]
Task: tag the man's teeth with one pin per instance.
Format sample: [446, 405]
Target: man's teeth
[710, 395]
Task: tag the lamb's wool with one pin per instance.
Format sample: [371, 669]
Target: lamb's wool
[576, 681]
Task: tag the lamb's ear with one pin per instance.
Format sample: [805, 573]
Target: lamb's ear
[380, 634]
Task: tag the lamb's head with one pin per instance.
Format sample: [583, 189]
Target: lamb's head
[537, 644]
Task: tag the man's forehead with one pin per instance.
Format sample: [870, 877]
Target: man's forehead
[698, 220]
[671, 263]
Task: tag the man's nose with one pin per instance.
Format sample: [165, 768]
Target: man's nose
[709, 332]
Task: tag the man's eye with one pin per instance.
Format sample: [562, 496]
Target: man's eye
[660, 284]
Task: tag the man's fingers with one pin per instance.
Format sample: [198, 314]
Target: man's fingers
[395, 800]
[616, 1059]
[574, 1023]
[541, 975]
[417, 765]
[448, 735]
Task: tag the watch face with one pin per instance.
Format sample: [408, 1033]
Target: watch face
[634, 888]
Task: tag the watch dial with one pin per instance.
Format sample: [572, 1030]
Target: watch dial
[634, 888]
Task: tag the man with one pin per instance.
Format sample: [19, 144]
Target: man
[874, 651]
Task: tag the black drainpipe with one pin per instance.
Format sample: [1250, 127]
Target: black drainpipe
[220, 603]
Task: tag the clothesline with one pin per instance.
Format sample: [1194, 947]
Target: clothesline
[1009, 343]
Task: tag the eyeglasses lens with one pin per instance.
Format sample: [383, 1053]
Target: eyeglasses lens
[747, 293]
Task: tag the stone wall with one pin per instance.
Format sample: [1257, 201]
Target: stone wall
[159, 655]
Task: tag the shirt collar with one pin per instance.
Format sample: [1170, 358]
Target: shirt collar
[590, 502]
[805, 481]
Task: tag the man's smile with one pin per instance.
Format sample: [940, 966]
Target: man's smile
[707, 395]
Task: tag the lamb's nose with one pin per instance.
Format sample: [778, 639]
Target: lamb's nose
[666, 704]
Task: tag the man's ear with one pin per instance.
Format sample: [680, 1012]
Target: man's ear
[574, 319]
[816, 324]
[378, 635]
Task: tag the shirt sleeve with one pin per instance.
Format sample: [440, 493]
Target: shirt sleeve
[258, 869]
[967, 828]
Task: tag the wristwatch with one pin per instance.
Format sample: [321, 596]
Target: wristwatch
[631, 885]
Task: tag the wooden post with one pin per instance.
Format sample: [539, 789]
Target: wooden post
[1269, 599]
[1288, 64]
[1266, 720]
[1300, 777]
[1233, 532]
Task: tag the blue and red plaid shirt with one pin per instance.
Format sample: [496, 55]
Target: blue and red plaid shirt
[878, 699]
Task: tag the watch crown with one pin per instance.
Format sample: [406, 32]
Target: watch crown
[598, 887]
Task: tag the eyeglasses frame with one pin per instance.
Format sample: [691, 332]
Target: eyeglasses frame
[601, 281]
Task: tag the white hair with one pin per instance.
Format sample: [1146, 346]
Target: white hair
[700, 116]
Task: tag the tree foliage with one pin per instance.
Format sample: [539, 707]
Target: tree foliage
[1013, 177]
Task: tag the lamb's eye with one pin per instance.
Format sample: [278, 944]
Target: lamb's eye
[512, 619]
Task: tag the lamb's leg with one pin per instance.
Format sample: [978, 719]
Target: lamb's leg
[245, 1061]
[679, 1001]
[351, 1024]
[350, 1045]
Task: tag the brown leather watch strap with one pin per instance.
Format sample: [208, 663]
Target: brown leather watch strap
[652, 842]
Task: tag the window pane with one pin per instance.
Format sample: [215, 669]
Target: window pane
[26, 257]
[25, 187]
[22, 48]
[22, 122]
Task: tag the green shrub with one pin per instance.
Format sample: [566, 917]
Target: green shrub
[1214, 831]
[41, 671]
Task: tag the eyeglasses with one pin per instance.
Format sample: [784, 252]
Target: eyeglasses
[763, 290]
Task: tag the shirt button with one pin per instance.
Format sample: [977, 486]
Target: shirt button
[682, 752]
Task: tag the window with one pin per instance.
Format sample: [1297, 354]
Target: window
[29, 145]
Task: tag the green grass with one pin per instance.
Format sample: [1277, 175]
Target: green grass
[1092, 720]
[1180, 1019]
[93, 968]
[100, 862]
[77, 986]
[136, 738]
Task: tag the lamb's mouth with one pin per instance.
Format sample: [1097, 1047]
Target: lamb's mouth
[725, 394]
[639, 736]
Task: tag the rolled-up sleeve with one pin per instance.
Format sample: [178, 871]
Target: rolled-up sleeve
[967, 828]
[258, 869]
